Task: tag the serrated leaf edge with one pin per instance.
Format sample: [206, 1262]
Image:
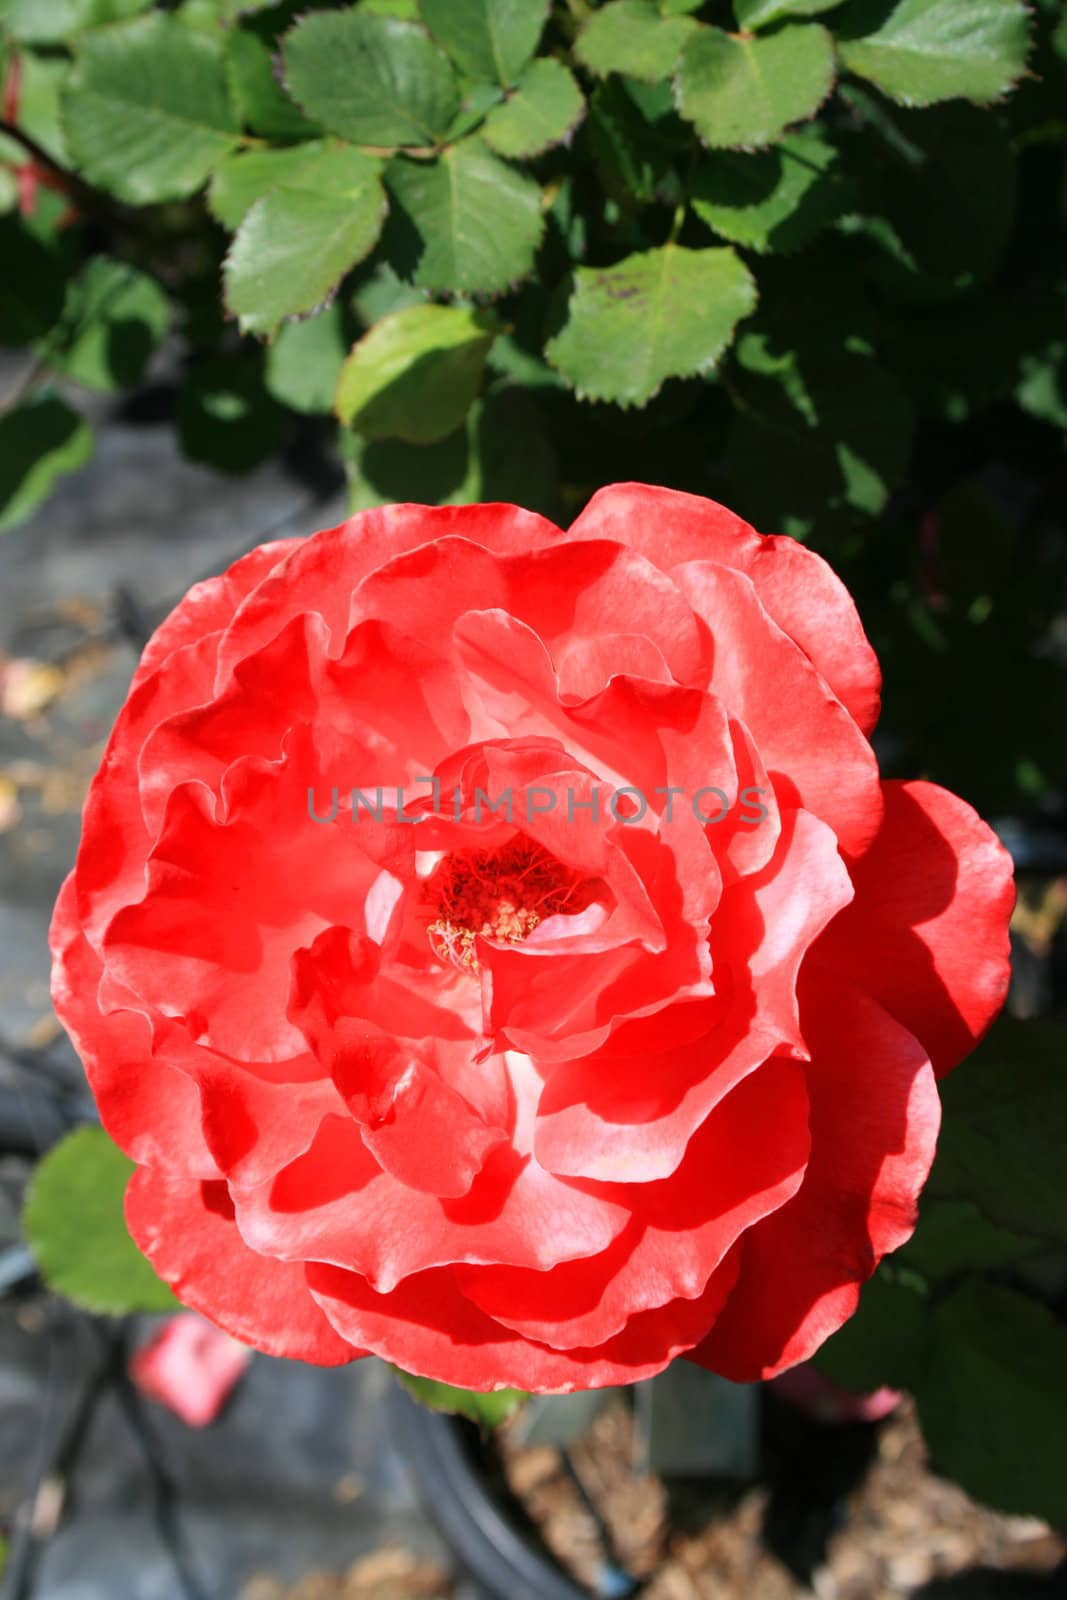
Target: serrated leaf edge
[305, 16]
[546, 6]
[801, 122]
[709, 364]
[563, 139]
[268, 335]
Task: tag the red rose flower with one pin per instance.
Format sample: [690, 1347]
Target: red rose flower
[498, 952]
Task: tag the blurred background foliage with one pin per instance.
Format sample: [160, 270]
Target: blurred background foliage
[804, 256]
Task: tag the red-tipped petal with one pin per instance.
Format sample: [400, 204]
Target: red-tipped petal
[927, 933]
[187, 1231]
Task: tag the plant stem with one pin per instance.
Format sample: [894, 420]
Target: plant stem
[86, 199]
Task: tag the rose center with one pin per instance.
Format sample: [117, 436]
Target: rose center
[501, 894]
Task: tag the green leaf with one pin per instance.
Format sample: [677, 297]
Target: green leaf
[206, 15]
[992, 1399]
[261, 102]
[1001, 1143]
[631, 37]
[949, 372]
[953, 1237]
[812, 393]
[478, 100]
[373, 80]
[474, 222]
[31, 285]
[381, 471]
[489, 1409]
[41, 82]
[666, 313]
[304, 362]
[75, 1226]
[501, 453]
[1042, 386]
[54, 21]
[235, 10]
[544, 110]
[296, 244]
[510, 359]
[416, 373]
[745, 92]
[146, 111]
[1059, 37]
[492, 39]
[851, 421]
[39, 441]
[635, 154]
[406, 10]
[922, 51]
[760, 13]
[882, 1344]
[246, 177]
[226, 418]
[778, 199]
[378, 291]
[921, 197]
[114, 318]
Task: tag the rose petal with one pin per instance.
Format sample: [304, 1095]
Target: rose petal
[326, 569]
[807, 739]
[415, 1124]
[110, 870]
[797, 588]
[187, 1231]
[764, 926]
[626, 1113]
[391, 705]
[150, 1109]
[927, 933]
[234, 888]
[874, 1120]
[426, 1325]
[209, 606]
[746, 1161]
[560, 593]
[335, 1204]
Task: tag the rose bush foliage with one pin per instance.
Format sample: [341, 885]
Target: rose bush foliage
[544, 1101]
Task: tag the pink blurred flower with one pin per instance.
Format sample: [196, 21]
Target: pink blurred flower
[806, 1389]
[189, 1366]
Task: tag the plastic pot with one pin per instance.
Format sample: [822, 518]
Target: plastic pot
[482, 1526]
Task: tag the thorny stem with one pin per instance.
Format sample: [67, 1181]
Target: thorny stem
[85, 198]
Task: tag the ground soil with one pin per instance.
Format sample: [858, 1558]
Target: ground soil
[896, 1530]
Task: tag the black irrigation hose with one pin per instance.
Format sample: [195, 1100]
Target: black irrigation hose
[165, 1498]
[62, 1446]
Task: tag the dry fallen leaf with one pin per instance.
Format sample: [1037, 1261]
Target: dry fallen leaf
[28, 687]
[391, 1573]
[10, 810]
